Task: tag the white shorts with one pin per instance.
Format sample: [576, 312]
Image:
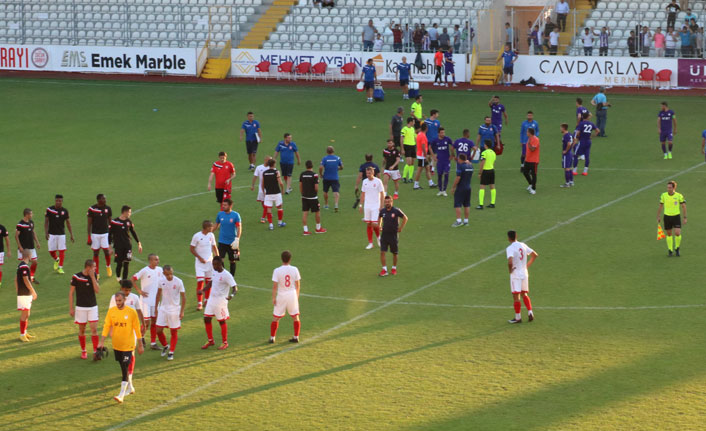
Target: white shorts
[217, 308]
[371, 214]
[273, 200]
[260, 195]
[2, 257]
[171, 320]
[57, 242]
[86, 314]
[203, 270]
[24, 302]
[32, 253]
[147, 309]
[519, 285]
[286, 301]
[394, 175]
[99, 240]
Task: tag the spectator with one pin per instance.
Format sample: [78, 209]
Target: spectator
[537, 41]
[554, 41]
[685, 37]
[659, 40]
[693, 26]
[699, 42]
[396, 37]
[328, 3]
[529, 37]
[407, 38]
[467, 36]
[548, 27]
[603, 42]
[369, 32]
[689, 16]
[444, 40]
[317, 3]
[632, 46]
[377, 44]
[562, 10]
[457, 38]
[670, 42]
[433, 37]
[417, 37]
[672, 10]
[426, 42]
[508, 33]
[645, 39]
[587, 39]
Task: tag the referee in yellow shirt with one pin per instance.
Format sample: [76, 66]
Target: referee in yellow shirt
[409, 145]
[672, 202]
[123, 325]
[417, 113]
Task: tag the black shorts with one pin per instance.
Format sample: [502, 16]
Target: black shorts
[422, 162]
[219, 195]
[508, 70]
[404, 82]
[410, 151]
[287, 169]
[368, 85]
[462, 198]
[417, 124]
[251, 147]
[332, 184]
[487, 177]
[122, 356]
[397, 139]
[671, 222]
[226, 250]
[388, 240]
[310, 205]
[123, 255]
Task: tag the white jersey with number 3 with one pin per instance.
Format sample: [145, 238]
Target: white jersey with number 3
[285, 276]
[519, 252]
[372, 189]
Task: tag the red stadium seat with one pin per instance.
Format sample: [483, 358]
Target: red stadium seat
[303, 69]
[285, 68]
[664, 75]
[263, 67]
[319, 69]
[646, 75]
[348, 69]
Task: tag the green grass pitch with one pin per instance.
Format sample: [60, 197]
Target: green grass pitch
[617, 343]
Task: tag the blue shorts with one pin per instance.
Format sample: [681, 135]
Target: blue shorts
[287, 169]
[524, 149]
[448, 70]
[404, 82]
[462, 198]
[582, 149]
[566, 160]
[499, 127]
[331, 184]
[443, 167]
[665, 137]
[508, 70]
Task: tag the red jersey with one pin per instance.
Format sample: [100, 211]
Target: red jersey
[532, 156]
[438, 58]
[422, 145]
[223, 171]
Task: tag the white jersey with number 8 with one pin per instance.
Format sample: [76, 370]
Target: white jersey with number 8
[286, 277]
[519, 252]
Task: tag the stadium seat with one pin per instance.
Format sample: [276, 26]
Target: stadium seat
[263, 68]
[348, 69]
[646, 75]
[285, 69]
[302, 69]
[663, 76]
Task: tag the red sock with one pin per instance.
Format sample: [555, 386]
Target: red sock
[297, 327]
[53, 254]
[269, 217]
[82, 342]
[62, 254]
[370, 233]
[162, 338]
[153, 333]
[209, 331]
[377, 230]
[224, 331]
[518, 307]
[0, 273]
[23, 327]
[280, 214]
[173, 340]
[273, 328]
[199, 296]
[33, 268]
[97, 262]
[131, 367]
[208, 292]
[94, 341]
[528, 303]
[264, 210]
[107, 257]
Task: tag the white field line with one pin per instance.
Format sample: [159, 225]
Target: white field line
[387, 304]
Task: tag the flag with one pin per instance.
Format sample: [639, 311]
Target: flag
[660, 232]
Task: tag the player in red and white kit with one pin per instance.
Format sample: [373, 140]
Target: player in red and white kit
[203, 246]
[257, 176]
[98, 226]
[372, 195]
[149, 277]
[171, 300]
[224, 171]
[286, 282]
[223, 289]
[519, 258]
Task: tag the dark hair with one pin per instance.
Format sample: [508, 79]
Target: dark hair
[27, 211]
[487, 117]
[579, 100]
[286, 256]
[390, 140]
[125, 284]
[410, 119]
[125, 208]
[565, 126]
[119, 293]
[59, 197]
[388, 197]
[88, 262]
[228, 201]
[167, 268]
[664, 103]
[308, 164]
[530, 131]
[222, 153]
[530, 112]
[217, 259]
[462, 157]
[271, 162]
[488, 143]
[206, 223]
[368, 157]
[441, 128]
[511, 234]
[433, 111]
[585, 115]
[99, 196]
[423, 127]
[287, 134]
[419, 96]
[465, 131]
[250, 113]
[673, 183]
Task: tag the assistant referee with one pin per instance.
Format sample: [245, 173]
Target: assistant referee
[672, 203]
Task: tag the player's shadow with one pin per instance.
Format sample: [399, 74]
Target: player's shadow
[552, 405]
[14, 348]
[34, 324]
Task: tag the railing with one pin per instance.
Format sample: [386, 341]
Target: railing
[202, 58]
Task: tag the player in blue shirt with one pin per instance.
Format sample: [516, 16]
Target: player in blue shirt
[288, 150]
[488, 132]
[330, 165]
[404, 74]
[441, 149]
[580, 109]
[432, 133]
[529, 123]
[465, 146]
[228, 221]
[369, 76]
[497, 113]
[509, 59]
[667, 127]
[253, 136]
[461, 190]
[567, 142]
[582, 149]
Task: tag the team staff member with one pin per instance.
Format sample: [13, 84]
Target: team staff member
[409, 145]
[309, 188]
[404, 74]
[389, 219]
[26, 238]
[672, 201]
[253, 136]
[119, 235]
[532, 161]
[368, 75]
[98, 225]
[329, 167]
[461, 189]
[288, 150]
[54, 219]
[488, 132]
[526, 125]
[228, 221]
[392, 167]
[3, 245]
[487, 176]
[25, 294]
[123, 325]
[396, 125]
[85, 285]
[224, 171]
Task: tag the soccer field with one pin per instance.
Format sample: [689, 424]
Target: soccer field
[618, 340]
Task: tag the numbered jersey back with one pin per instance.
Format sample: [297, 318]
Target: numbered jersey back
[519, 251]
[286, 277]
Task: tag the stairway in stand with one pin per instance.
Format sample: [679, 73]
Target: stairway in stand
[267, 23]
[583, 10]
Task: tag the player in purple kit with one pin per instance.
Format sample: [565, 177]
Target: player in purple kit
[567, 142]
[449, 67]
[465, 146]
[497, 113]
[582, 150]
[441, 151]
[580, 109]
[703, 142]
[667, 128]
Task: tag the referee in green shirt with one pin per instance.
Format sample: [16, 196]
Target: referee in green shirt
[672, 203]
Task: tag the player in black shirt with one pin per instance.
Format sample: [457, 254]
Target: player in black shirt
[391, 154]
[119, 236]
[25, 295]
[361, 171]
[390, 222]
[6, 244]
[99, 216]
[85, 285]
[396, 127]
[54, 219]
[272, 189]
[26, 239]
[309, 188]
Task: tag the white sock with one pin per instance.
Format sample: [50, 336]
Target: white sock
[123, 389]
[585, 169]
[576, 171]
[416, 184]
[384, 268]
[431, 182]
[306, 228]
[129, 380]
[318, 226]
[458, 220]
[518, 316]
[396, 193]
[531, 313]
[465, 220]
[394, 267]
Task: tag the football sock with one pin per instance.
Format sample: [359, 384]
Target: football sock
[670, 242]
[107, 257]
[199, 296]
[273, 328]
[439, 180]
[33, 268]
[297, 327]
[153, 333]
[585, 169]
[566, 176]
[224, 331]
[94, 341]
[431, 182]
[306, 228]
[377, 231]
[269, 218]
[129, 377]
[370, 233]
[162, 338]
[53, 254]
[123, 384]
[528, 303]
[492, 196]
[465, 220]
[62, 255]
[588, 162]
[416, 184]
[318, 226]
[264, 211]
[394, 267]
[118, 267]
[446, 180]
[131, 368]
[232, 268]
[23, 327]
[173, 340]
[576, 162]
[458, 220]
[280, 214]
[207, 293]
[481, 196]
[126, 271]
[384, 268]
[670, 147]
[664, 149]
[95, 260]
[0, 273]
[518, 308]
[209, 331]
[82, 342]
[677, 241]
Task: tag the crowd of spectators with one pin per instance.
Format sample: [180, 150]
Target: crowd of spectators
[417, 39]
